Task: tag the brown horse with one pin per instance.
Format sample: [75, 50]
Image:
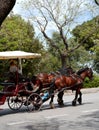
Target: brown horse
[82, 74]
[48, 78]
[44, 80]
[59, 83]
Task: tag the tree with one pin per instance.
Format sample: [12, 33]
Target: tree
[82, 31]
[5, 8]
[18, 34]
[77, 59]
[60, 14]
[96, 60]
[91, 44]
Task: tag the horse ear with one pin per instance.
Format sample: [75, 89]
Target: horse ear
[91, 70]
[86, 66]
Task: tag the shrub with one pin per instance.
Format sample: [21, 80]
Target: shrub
[92, 84]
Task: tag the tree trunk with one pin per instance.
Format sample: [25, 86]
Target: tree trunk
[5, 8]
[64, 59]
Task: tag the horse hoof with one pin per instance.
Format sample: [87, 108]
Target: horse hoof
[61, 104]
[79, 101]
[73, 103]
[52, 106]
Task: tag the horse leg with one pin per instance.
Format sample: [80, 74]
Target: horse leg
[51, 102]
[75, 99]
[60, 98]
[80, 98]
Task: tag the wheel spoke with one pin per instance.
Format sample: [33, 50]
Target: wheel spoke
[34, 102]
[15, 103]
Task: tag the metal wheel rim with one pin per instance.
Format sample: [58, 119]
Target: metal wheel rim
[15, 105]
[33, 101]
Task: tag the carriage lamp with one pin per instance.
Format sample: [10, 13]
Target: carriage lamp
[97, 2]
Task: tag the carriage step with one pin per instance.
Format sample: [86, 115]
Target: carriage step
[6, 84]
[1, 103]
[4, 93]
[7, 94]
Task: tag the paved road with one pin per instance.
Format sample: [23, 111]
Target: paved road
[85, 116]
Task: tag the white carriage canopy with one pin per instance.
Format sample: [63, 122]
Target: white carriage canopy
[18, 55]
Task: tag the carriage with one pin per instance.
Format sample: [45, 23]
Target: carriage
[17, 94]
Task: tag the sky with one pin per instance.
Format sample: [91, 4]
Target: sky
[85, 16]
[17, 8]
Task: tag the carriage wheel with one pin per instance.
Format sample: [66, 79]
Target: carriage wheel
[34, 102]
[15, 102]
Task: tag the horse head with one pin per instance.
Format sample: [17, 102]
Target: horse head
[86, 72]
[90, 73]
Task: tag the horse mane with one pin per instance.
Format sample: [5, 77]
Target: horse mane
[82, 70]
[34, 77]
[66, 71]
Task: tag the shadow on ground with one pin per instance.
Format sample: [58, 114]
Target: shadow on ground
[24, 109]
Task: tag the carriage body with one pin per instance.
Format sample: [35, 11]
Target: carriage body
[21, 94]
[8, 89]
[13, 92]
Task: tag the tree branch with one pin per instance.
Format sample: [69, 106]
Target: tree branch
[82, 42]
[51, 41]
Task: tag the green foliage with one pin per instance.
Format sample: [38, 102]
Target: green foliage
[58, 42]
[18, 34]
[91, 44]
[49, 63]
[81, 32]
[96, 60]
[80, 57]
[77, 59]
[92, 84]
